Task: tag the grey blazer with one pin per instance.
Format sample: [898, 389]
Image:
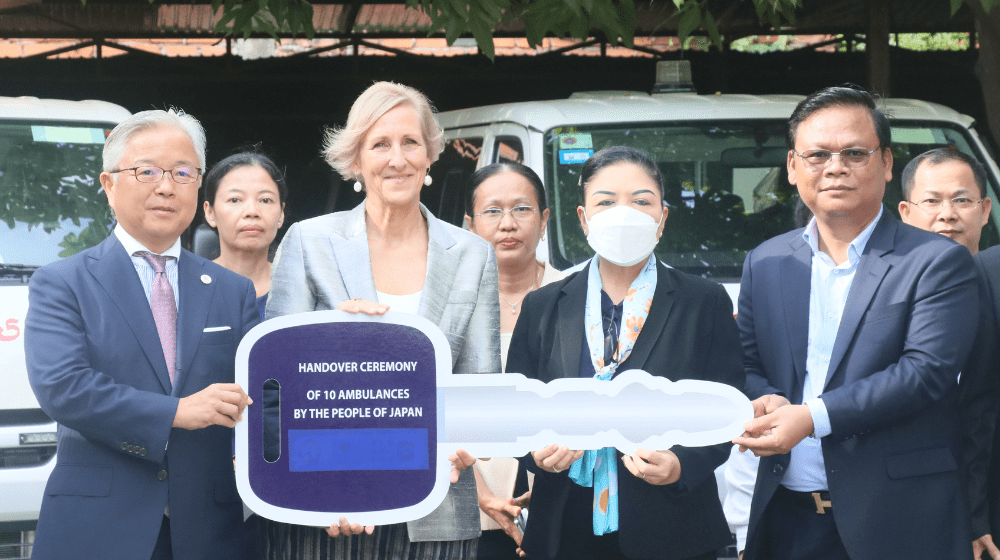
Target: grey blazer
[324, 261]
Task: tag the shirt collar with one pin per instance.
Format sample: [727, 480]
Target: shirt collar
[131, 245]
[857, 247]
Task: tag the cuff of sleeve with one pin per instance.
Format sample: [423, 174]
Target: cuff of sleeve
[741, 538]
[820, 417]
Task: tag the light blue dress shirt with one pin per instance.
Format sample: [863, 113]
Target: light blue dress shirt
[142, 267]
[829, 287]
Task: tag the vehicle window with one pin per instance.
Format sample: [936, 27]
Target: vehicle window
[725, 182]
[508, 149]
[911, 139]
[51, 202]
[446, 196]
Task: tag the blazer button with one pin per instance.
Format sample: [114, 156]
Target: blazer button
[778, 469]
[124, 446]
[162, 475]
[142, 451]
[131, 449]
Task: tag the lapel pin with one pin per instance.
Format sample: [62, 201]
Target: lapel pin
[206, 279]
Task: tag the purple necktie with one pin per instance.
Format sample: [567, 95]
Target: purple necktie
[164, 310]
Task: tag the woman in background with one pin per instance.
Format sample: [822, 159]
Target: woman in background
[506, 206]
[390, 252]
[245, 203]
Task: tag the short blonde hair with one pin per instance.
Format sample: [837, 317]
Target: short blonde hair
[341, 147]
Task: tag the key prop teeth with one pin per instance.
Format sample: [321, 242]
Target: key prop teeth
[635, 409]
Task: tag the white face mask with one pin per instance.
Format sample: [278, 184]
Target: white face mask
[622, 235]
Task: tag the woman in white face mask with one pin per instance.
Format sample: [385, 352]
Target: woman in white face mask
[625, 310]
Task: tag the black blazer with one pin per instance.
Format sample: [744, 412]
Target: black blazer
[690, 333]
[979, 390]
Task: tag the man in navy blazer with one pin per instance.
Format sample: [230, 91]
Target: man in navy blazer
[144, 467]
[854, 331]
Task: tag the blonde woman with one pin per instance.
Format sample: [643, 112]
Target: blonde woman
[390, 252]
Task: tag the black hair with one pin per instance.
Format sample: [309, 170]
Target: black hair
[847, 95]
[938, 156]
[480, 176]
[614, 155]
[250, 158]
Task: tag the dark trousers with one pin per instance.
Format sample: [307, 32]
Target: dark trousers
[578, 541]
[793, 530]
[163, 550]
[495, 544]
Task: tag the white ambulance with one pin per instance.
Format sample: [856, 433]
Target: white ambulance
[51, 206]
[722, 158]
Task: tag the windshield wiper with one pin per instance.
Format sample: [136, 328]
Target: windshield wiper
[8, 271]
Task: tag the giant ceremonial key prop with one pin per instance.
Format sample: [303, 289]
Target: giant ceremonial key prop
[368, 412]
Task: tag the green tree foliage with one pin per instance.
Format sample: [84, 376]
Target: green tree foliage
[541, 18]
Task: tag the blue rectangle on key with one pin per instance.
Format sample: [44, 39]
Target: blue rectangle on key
[373, 449]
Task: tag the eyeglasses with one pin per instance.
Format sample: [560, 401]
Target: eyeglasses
[849, 157]
[152, 174]
[934, 205]
[494, 215]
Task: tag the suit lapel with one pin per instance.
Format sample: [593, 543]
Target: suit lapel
[192, 314]
[871, 270]
[113, 269]
[358, 279]
[655, 321]
[795, 283]
[572, 304]
[442, 266]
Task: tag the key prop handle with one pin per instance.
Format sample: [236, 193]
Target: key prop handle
[354, 416]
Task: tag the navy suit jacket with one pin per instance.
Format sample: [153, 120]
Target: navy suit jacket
[96, 366]
[893, 460]
[980, 403]
[688, 334]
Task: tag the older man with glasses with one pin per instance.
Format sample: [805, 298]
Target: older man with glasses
[131, 348]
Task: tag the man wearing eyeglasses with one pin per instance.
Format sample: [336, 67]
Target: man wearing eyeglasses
[130, 347]
[944, 191]
[854, 331]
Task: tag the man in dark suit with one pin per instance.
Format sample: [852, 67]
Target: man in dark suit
[130, 347]
[944, 191]
[862, 323]
[985, 484]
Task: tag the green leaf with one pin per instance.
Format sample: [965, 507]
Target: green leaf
[453, 30]
[484, 38]
[955, 5]
[712, 29]
[626, 10]
[690, 20]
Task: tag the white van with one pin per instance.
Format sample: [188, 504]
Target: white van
[51, 206]
[722, 158]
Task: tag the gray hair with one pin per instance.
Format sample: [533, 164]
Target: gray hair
[341, 147]
[114, 146]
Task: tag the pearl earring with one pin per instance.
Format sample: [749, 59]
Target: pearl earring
[428, 180]
[357, 186]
